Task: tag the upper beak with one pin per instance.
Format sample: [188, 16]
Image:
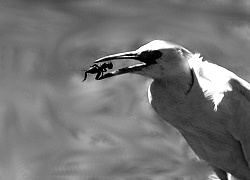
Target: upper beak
[125, 55]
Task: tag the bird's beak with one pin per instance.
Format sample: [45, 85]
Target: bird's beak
[126, 55]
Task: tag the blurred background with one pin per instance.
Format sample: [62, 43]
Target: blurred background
[55, 127]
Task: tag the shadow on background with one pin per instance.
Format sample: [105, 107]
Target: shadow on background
[55, 127]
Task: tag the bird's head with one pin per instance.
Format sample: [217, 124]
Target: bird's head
[158, 59]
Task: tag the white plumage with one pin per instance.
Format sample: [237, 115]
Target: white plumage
[208, 104]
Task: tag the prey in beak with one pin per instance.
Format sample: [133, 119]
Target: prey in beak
[145, 59]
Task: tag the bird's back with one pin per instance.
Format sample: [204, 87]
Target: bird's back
[215, 80]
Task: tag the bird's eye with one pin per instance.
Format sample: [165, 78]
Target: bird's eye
[156, 54]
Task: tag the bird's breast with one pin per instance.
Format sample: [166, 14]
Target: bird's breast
[192, 112]
[196, 119]
[172, 105]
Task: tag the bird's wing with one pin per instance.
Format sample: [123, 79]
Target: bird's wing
[211, 74]
[241, 89]
[241, 86]
[212, 79]
[215, 81]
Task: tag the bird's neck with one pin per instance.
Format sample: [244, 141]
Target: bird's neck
[180, 83]
[168, 96]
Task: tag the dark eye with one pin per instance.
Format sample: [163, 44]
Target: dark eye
[156, 54]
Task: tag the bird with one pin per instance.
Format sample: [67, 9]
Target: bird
[208, 104]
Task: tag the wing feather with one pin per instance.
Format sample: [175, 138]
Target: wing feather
[221, 81]
[241, 86]
[242, 89]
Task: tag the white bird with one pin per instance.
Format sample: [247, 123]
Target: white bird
[208, 104]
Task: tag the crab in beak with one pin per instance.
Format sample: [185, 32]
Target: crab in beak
[146, 58]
